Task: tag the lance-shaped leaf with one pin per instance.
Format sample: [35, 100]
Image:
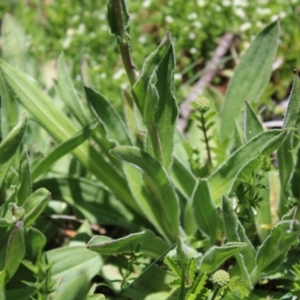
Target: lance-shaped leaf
[15, 251]
[143, 199]
[158, 184]
[205, 211]
[68, 92]
[294, 104]
[60, 127]
[64, 148]
[25, 179]
[112, 122]
[183, 179]
[286, 166]
[235, 232]
[250, 78]
[215, 256]
[34, 205]
[283, 235]
[252, 125]
[154, 97]
[145, 241]
[9, 146]
[221, 181]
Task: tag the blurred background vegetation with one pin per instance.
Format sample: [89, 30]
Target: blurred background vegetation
[44, 28]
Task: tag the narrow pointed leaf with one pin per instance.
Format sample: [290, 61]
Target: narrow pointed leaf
[250, 78]
[205, 211]
[294, 104]
[9, 146]
[252, 125]
[149, 244]
[64, 148]
[154, 97]
[286, 167]
[235, 232]
[68, 92]
[25, 179]
[60, 127]
[115, 128]
[158, 184]
[283, 235]
[143, 199]
[216, 256]
[223, 178]
[34, 205]
[15, 250]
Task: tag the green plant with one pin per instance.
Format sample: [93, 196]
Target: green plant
[136, 174]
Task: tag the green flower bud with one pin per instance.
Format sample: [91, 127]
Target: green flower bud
[221, 277]
[202, 104]
[17, 212]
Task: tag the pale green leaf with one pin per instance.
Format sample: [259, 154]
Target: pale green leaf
[250, 77]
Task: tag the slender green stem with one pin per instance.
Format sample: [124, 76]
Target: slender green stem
[209, 159]
[215, 294]
[123, 40]
[154, 262]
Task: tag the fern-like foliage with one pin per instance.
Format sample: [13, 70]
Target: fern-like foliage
[205, 121]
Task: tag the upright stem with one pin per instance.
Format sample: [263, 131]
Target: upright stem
[209, 160]
[119, 11]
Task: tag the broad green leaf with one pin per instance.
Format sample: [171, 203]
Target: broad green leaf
[34, 205]
[59, 126]
[154, 97]
[252, 125]
[223, 178]
[25, 179]
[157, 183]
[89, 201]
[15, 250]
[149, 243]
[205, 211]
[235, 232]
[76, 288]
[68, 91]
[111, 121]
[294, 104]
[9, 146]
[64, 148]
[283, 235]
[250, 77]
[216, 256]
[70, 262]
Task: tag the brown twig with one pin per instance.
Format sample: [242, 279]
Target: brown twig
[212, 68]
